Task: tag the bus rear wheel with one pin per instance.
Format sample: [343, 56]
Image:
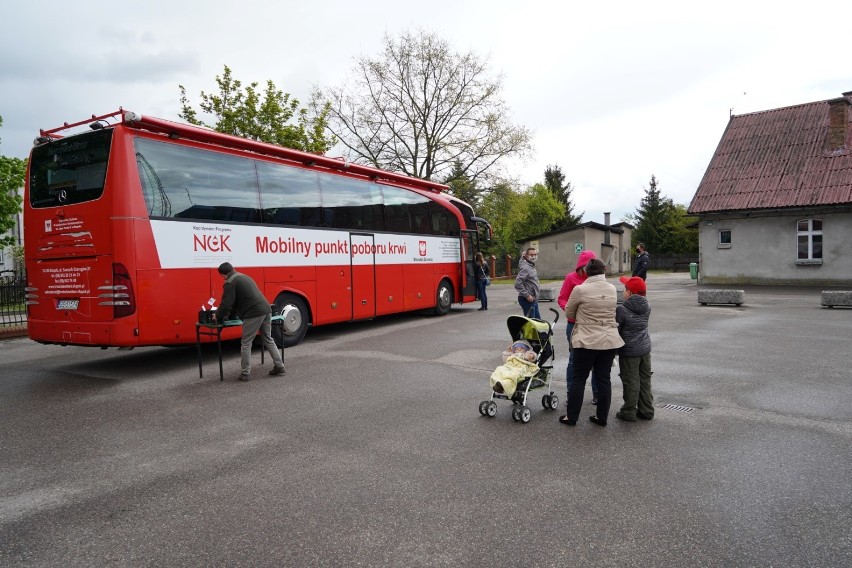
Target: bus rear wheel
[294, 324]
[443, 298]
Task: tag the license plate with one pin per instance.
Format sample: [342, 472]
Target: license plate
[67, 304]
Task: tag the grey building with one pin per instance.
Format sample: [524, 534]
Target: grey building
[775, 204]
[558, 251]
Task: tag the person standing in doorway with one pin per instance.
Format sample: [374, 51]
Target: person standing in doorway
[573, 279]
[242, 297]
[640, 266]
[526, 284]
[480, 274]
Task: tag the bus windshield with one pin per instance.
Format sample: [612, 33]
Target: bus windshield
[69, 171]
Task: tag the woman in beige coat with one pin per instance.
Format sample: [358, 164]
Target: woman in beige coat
[595, 340]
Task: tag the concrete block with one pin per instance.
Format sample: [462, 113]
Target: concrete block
[547, 294]
[836, 298]
[736, 297]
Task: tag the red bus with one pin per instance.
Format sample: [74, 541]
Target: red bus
[126, 222]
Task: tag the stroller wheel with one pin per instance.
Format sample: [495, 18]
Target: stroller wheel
[491, 409]
[524, 414]
[483, 408]
[554, 402]
[516, 412]
[545, 401]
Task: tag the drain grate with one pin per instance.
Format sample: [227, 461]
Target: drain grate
[678, 408]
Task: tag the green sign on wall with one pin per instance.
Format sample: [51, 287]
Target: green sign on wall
[578, 248]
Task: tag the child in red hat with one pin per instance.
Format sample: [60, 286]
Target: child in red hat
[634, 359]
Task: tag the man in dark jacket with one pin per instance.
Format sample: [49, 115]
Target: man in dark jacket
[640, 267]
[634, 359]
[242, 297]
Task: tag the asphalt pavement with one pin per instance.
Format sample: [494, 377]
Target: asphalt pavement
[371, 450]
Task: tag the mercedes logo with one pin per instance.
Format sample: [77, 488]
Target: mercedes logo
[63, 196]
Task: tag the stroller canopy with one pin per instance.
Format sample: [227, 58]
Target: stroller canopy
[522, 327]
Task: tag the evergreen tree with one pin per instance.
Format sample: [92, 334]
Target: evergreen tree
[554, 180]
[655, 221]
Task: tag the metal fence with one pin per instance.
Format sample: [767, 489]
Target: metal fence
[673, 262]
[13, 310]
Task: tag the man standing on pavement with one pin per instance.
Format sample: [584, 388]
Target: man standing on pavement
[640, 267]
[526, 284]
[242, 297]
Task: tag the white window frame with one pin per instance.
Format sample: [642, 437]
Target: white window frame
[810, 233]
[719, 243]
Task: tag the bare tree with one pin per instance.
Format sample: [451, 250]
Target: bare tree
[422, 109]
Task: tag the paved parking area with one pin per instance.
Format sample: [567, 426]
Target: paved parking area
[371, 450]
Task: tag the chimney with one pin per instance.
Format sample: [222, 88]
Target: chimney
[838, 121]
[606, 231]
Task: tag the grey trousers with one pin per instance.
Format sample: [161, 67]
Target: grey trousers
[250, 328]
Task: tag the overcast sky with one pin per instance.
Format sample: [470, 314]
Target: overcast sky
[613, 91]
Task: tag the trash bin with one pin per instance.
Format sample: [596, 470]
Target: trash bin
[693, 270]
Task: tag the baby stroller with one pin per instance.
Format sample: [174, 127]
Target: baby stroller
[530, 376]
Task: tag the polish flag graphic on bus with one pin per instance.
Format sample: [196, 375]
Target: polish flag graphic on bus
[422, 248]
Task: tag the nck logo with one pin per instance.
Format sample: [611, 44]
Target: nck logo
[211, 243]
[422, 248]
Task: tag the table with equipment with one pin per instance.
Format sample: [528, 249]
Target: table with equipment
[214, 329]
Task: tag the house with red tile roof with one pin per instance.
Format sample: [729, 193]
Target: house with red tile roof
[775, 204]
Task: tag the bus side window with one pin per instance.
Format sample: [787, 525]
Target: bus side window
[350, 203]
[396, 218]
[439, 222]
[156, 201]
[288, 195]
[198, 184]
[405, 211]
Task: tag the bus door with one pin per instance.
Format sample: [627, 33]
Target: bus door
[363, 260]
[470, 242]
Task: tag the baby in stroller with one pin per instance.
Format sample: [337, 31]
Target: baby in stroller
[524, 367]
[518, 364]
[520, 348]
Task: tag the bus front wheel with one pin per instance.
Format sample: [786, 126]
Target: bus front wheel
[443, 298]
[294, 324]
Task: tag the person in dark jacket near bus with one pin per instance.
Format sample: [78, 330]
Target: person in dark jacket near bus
[640, 267]
[481, 277]
[634, 358]
[242, 298]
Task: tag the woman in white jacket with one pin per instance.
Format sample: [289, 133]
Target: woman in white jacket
[595, 340]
